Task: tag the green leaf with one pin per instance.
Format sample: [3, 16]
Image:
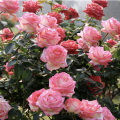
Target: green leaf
[106, 48]
[26, 75]
[80, 76]
[58, 1]
[9, 48]
[18, 69]
[12, 62]
[36, 117]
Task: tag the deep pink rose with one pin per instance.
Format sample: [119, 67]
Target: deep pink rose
[103, 3]
[48, 21]
[72, 105]
[90, 36]
[99, 56]
[90, 109]
[111, 42]
[47, 37]
[32, 99]
[7, 34]
[63, 83]
[28, 22]
[58, 5]
[4, 108]
[10, 6]
[55, 56]
[82, 45]
[8, 68]
[50, 102]
[111, 26]
[107, 115]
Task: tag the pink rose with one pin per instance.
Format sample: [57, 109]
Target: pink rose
[48, 21]
[32, 99]
[4, 108]
[47, 37]
[72, 105]
[99, 56]
[55, 56]
[107, 115]
[63, 83]
[82, 45]
[90, 109]
[10, 6]
[111, 42]
[28, 22]
[50, 102]
[90, 36]
[111, 26]
[8, 68]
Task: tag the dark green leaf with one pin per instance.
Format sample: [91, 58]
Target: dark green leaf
[21, 43]
[58, 1]
[26, 75]
[36, 117]
[18, 69]
[9, 48]
[12, 62]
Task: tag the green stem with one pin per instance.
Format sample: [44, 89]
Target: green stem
[103, 39]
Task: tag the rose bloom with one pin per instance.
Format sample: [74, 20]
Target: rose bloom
[10, 6]
[111, 26]
[103, 3]
[4, 108]
[28, 22]
[8, 68]
[47, 37]
[99, 56]
[70, 13]
[57, 16]
[63, 83]
[94, 10]
[111, 42]
[48, 21]
[55, 56]
[107, 115]
[50, 102]
[32, 99]
[71, 46]
[90, 109]
[31, 6]
[61, 33]
[72, 105]
[82, 45]
[7, 34]
[90, 36]
[58, 5]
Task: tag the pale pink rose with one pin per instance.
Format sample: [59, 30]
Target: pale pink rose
[72, 105]
[107, 115]
[63, 83]
[88, 109]
[47, 37]
[111, 42]
[4, 108]
[90, 36]
[32, 99]
[10, 6]
[50, 102]
[48, 21]
[55, 56]
[111, 26]
[28, 22]
[99, 56]
[8, 68]
[58, 5]
[82, 45]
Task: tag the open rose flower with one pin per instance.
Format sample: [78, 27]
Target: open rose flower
[4, 108]
[99, 56]
[63, 83]
[10, 6]
[6, 34]
[31, 6]
[28, 22]
[71, 46]
[107, 115]
[32, 99]
[47, 37]
[50, 102]
[111, 42]
[103, 3]
[111, 26]
[58, 5]
[55, 56]
[94, 10]
[72, 105]
[90, 109]
[90, 36]
[8, 68]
